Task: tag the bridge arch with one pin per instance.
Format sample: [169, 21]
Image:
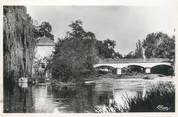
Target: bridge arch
[162, 64]
[105, 65]
[162, 69]
[133, 68]
[105, 69]
[102, 66]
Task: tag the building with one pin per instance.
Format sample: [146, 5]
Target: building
[44, 48]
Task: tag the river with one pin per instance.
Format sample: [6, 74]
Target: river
[45, 98]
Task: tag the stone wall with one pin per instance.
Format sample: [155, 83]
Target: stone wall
[18, 42]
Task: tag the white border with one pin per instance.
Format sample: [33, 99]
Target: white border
[161, 3]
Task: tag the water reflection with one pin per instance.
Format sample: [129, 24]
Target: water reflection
[18, 99]
[23, 85]
[42, 99]
[76, 99]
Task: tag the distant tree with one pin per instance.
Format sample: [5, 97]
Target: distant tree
[110, 44]
[156, 45]
[106, 48]
[139, 50]
[166, 49]
[77, 30]
[118, 55]
[159, 45]
[130, 55]
[43, 30]
[45, 27]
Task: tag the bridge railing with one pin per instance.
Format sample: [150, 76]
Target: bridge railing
[147, 60]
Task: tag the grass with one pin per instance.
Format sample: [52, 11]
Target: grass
[159, 98]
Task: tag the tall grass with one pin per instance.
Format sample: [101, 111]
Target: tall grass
[159, 98]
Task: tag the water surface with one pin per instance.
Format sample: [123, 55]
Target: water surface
[24, 98]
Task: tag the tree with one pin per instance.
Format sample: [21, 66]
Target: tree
[159, 45]
[139, 51]
[74, 55]
[45, 27]
[106, 48]
[166, 49]
[130, 55]
[43, 30]
[118, 55]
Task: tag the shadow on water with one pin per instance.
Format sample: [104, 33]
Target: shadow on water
[17, 98]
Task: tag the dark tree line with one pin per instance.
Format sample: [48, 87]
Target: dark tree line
[156, 45]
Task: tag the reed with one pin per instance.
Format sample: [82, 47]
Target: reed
[159, 98]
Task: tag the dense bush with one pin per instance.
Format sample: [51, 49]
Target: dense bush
[74, 55]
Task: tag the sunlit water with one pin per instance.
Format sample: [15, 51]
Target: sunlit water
[74, 99]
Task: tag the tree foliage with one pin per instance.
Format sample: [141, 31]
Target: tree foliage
[74, 55]
[156, 45]
[43, 30]
[138, 53]
[159, 45]
[139, 50]
[131, 54]
[106, 48]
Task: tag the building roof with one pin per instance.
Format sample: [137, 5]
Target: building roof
[45, 41]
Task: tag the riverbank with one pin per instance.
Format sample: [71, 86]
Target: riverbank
[110, 77]
[154, 100]
[133, 76]
[62, 84]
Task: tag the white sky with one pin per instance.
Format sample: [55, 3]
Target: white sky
[124, 24]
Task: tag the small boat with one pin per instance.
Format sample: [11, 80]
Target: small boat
[23, 80]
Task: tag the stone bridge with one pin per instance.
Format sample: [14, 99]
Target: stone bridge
[145, 63]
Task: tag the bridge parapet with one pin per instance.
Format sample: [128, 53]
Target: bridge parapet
[138, 60]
